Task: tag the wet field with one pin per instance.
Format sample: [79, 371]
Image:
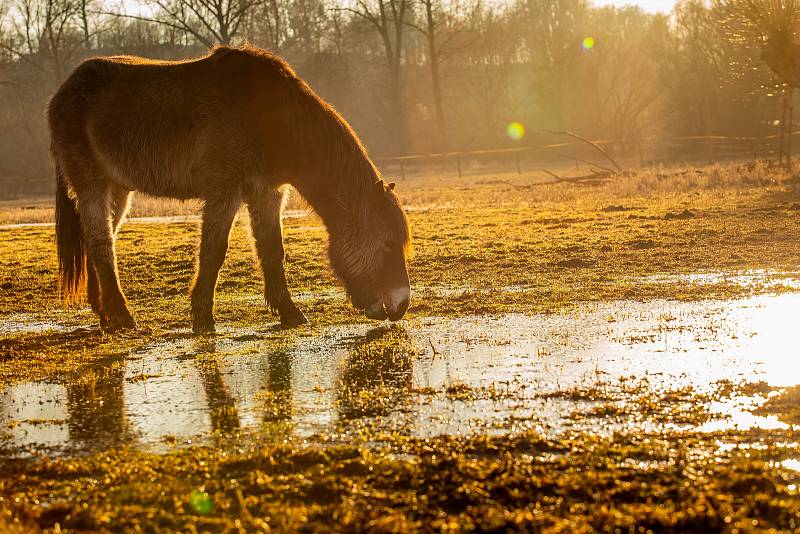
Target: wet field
[456, 376]
[594, 365]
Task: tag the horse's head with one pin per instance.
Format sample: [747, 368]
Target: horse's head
[368, 253]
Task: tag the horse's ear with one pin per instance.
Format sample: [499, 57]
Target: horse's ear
[379, 184]
[390, 186]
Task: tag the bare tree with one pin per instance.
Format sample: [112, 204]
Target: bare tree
[553, 45]
[268, 24]
[624, 72]
[487, 70]
[85, 10]
[289, 25]
[441, 26]
[46, 34]
[308, 23]
[209, 22]
[388, 18]
[771, 23]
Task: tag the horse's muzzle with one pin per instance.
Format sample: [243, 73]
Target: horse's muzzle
[392, 307]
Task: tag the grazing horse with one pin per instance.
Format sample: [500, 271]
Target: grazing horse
[235, 126]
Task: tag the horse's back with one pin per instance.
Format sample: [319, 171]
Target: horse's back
[165, 127]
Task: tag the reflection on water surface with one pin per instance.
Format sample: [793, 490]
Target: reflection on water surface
[433, 376]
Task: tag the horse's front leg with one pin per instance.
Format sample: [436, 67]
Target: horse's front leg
[265, 220]
[218, 215]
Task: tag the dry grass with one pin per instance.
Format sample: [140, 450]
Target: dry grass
[421, 191]
[40, 210]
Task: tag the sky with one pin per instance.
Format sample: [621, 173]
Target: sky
[652, 6]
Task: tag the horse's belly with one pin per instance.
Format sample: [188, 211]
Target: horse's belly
[158, 170]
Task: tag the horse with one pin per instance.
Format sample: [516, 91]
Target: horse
[237, 125]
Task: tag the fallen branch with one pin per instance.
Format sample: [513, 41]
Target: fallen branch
[588, 142]
[594, 177]
[586, 162]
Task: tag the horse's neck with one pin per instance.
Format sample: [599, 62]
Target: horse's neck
[335, 199]
[336, 179]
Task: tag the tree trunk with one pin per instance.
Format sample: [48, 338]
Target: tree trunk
[433, 54]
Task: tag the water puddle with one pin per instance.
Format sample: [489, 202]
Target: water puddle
[28, 323]
[757, 279]
[610, 366]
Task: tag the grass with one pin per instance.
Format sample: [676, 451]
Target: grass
[585, 247]
[483, 245]
[667, 483]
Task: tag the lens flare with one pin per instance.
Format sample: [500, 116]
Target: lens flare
[201, 502]
[515, 131]
[587, 43]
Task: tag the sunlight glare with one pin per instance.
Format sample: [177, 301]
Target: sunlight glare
[515, 131]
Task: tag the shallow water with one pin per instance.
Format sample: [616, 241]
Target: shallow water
[28, 323]
[454, 375]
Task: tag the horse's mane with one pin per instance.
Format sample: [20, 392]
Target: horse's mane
[344, 159]
[333, 153]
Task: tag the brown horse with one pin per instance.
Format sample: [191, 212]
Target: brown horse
[234, 126]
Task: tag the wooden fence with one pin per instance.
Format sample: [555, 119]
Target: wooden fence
[646, 152]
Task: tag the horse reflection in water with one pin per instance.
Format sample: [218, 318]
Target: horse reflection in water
[221, 405]
[96, 408]
[97, 404]
[205, 391]
[377, 372]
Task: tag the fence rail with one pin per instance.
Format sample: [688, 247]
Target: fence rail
[682, 149]
[649, 151]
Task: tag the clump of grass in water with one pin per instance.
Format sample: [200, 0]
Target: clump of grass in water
[376, 372]
[786, 405]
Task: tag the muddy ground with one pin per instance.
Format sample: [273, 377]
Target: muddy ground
[619, 357]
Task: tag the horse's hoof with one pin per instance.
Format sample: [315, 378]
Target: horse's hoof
[295, 318]
[117, 324]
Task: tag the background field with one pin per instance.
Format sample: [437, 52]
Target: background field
[491, 390]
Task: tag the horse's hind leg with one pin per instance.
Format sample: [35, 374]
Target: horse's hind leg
[218, 215]
[96, 215]
[119, 209]
[265, 221]
[120, 202]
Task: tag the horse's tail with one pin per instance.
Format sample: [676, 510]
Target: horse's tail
[69, 242]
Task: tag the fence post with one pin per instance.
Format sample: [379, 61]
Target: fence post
[403, 170]
[458, 160]
[516, 157]
[575, 156]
